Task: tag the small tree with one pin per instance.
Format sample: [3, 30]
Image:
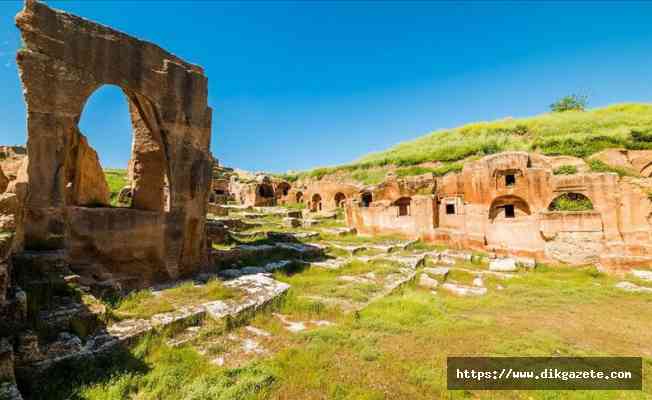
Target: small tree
[574, 102]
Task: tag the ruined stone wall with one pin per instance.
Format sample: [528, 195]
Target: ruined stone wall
[64, 60]
[501, 204]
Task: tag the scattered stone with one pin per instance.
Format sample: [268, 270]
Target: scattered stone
[252, 270]
[632, 287]
[292, 222]
[437, 271]
[322, 323]
[9, 391]
[310, 222]
[500, 287]
[257, 331]
[251, 346]
[290, 325]
[340, 231]
[477, 281]
[642, 274]
[219, 361]
[335, 263]
[276, 265]
[428, 282]
[230, 273]
[503, 265]
[296, 214]
[65, 343]
[462, 290]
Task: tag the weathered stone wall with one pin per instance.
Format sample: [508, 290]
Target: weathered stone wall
[64, 60]
[501, 204]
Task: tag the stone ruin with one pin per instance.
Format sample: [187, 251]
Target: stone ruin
[64, 60]
[56, 224]
[261, 191]
[504, 204]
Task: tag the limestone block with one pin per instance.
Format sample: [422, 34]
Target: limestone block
[642, 274]
[462, 290]
[503, 265]
[428, 282]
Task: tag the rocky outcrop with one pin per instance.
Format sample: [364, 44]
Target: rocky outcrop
[90, 187]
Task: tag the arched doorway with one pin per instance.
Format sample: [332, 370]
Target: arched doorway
[266, 191]
[403, 205]
[103, 151]
[365, 199]
[114, 120]
[571, 202]
[282, 189]
[316, 203]
[299, 197]
[340, 198]
[511, 225]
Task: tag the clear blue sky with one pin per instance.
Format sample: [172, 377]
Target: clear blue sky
[296, 85]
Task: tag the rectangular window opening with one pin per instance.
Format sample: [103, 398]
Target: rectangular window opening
[450, 209]
[510, 180]
[509, 211]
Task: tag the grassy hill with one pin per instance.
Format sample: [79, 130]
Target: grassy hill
[573, 133]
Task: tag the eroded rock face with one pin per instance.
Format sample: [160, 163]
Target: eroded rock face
[90, 187]
[64, 59]
[507, 204]
[4, 181]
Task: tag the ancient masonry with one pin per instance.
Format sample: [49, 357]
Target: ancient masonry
[55, 218]
[504, 203]
[64, 60]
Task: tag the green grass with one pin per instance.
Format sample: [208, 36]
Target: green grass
[572, 133]
[600, 166]
[571, 202]
[396, 348]
[565, 170]
[144, 303]
[117, 179]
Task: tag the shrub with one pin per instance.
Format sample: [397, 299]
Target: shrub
[565, 170]
[571, 202]
[600, 166]
[572, 102]
[639, 140]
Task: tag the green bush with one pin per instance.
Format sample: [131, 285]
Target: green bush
[571, 202]
[640, 140]
[565, 170]
[600, 166]
[572, 102]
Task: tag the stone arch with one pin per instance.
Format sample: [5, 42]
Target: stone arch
[265, 190]
[403, 205]
[339, 199]
[315, 204]
[149, 162]
[167, 97]
[282, 189]
[570, 201]
[299, 197]
[508, 206]
[366, 198]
